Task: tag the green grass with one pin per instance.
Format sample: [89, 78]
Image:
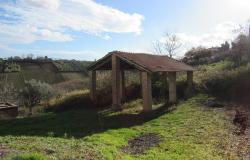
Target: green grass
[191, 131]
[33, 156]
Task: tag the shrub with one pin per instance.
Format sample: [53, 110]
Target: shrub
[217, 78]
[35, 91]
[11, 67]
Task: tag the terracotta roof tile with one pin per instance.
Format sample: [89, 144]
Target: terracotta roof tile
[153, 63]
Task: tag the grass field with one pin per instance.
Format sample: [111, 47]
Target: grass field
[191, 131]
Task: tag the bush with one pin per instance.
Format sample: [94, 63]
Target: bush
[35, 91]
[11, 67]
[217, 78]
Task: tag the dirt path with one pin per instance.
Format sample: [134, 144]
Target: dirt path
[240, 141]
[238, 98]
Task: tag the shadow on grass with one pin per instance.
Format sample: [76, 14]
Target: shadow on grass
[78, 123]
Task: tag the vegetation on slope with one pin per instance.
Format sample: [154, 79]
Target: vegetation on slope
[71, 66]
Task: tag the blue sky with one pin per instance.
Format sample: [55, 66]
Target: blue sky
[87, 29]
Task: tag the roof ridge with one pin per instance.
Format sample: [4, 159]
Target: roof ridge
[149, 62]
[150, 54]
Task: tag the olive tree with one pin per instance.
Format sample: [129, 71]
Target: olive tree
[33, 92]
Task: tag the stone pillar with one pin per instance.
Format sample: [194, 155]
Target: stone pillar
[123, 86]
[92, 87]
[172, 87]
[146, 91]
[116, 98]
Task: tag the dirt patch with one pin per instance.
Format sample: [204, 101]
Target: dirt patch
[142, 143]
[240, 133]
[4, 152]
[241, 121]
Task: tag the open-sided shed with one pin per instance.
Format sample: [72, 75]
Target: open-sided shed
[146, 64]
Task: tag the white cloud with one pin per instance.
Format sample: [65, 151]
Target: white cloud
[208, 13]
[45, 34]
[215, 37]
[48, 4]
[31, 20]
[218, 35]
[27, 34]
[2, 46]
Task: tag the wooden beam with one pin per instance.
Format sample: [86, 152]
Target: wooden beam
[116, 98]
[92, 87]
[172, 87]
[101, 63]
[137, 66]
[146, 91]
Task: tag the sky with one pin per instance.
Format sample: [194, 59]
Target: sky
[89, 29]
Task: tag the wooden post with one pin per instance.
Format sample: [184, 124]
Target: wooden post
[164, 86]
[116, 98]
[123, 86]
[140, 77]
[190, 79]
[92, 87]
[172, 87]
[146, 91]
[189, 83]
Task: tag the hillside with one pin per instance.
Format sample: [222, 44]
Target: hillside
[45, 71]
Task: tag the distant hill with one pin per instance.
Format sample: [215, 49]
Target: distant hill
[49, 71]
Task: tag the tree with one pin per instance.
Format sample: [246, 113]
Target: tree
[1, 61]
[33, 92]
[170, 44]
[1, 65]
[30, 56]
[225, 46]
[157, 45]
[240, 49]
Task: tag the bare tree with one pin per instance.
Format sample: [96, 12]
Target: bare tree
[169, 45]
[157, 45]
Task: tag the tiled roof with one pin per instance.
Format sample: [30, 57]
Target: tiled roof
[148, 62]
